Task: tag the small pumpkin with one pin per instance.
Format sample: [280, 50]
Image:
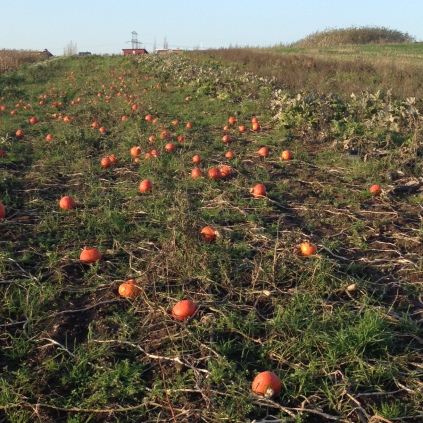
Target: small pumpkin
[102, 129]
[196, 159]
[258, 191]
[2, 211]
[267, 384]
[242, 128]
[226, 139]
[106, 162]
[113, 159]
[129, 289]
[67, 203]
[33, 120]
[49, 137]
[263, 152]
[135, 151]
[90, 255]
[286, 155]
[232, 120]
[145, 185]
[376, 190]
[19, 133]
[214, 173]
[208, 234]
[229, 155]
[256, 126]
[196, 173]
[169, 147]
[183, 310]
[308, 249]
[226, 171]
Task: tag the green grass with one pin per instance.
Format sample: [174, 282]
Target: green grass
[341, 328]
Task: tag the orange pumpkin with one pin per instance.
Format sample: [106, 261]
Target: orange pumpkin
[169, 147]
[263, 152]
[148, 118]
[102, 129]
[180, 138]
[90, 255]
[67, 203]
[208, 234]
[196, 159]
[2, 211]
[49, 137]
[286, 155]
[225, 171]
[145, 185]
[183, 310]
[232, 120]
[255, 126]
[196, 173]
[129, 289]
[229, 155]
[214, 173]
[242, 128]
[189, 125]
[376, 190]
[308, 249]
[258, 191]
[105, 162]
[113, 159]
[19, 133]
[135, 151]
[267, 384]
[95, 124]
[33, 120]
[226, 138]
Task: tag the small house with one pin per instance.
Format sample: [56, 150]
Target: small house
[134, 51]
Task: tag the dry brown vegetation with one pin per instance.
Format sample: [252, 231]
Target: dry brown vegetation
[11, 59]
[319, 72]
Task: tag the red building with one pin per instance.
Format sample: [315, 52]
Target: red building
[134, 51]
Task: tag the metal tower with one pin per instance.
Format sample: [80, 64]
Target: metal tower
[134, 40]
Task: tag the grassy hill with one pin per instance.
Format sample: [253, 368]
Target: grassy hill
[340, 328]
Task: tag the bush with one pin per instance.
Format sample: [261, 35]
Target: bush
[353, 35]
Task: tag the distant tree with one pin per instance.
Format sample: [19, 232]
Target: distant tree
[70, 49]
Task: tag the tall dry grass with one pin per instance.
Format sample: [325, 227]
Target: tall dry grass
[325, 72]
[11, 59]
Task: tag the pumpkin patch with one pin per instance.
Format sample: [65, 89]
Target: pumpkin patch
[302, 268]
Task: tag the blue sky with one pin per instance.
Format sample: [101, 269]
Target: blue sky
[105, 26]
